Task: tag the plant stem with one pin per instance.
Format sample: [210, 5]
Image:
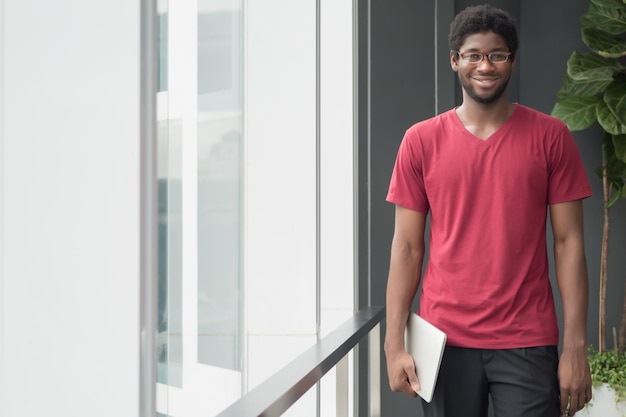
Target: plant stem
[606, 187]
[622, 328]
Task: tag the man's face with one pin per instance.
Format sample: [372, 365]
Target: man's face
[484, 82]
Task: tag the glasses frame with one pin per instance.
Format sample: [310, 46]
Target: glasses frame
[461, 55]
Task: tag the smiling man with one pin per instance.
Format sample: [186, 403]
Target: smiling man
[488, 172]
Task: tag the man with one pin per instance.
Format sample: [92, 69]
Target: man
[488, 171]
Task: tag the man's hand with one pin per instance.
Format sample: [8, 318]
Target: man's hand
[574, 381]
[401, 372]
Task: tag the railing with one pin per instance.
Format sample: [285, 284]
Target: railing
[279, 392]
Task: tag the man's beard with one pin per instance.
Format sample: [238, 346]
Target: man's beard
[484, 100]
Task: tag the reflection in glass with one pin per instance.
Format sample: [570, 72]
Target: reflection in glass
[162, 51]
[219, 184]
[170, 355]
[162, 184]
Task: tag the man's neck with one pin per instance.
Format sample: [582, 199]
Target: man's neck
[482, 120]
[478, 114]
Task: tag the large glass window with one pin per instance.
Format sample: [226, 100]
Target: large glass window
[256, 195]
[220, 293]
[169, 133]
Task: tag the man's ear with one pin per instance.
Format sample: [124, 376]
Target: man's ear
[454, 61]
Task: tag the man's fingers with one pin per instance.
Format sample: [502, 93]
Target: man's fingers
[412, 378]
[402, 384]
[565, 404]
[581, 401]
[402, 376]
[572, 403]
[578, 401]
[409, 389]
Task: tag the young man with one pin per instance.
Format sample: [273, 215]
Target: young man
[488, 171]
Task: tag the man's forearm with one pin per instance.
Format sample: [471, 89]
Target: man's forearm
[571, 270]
[404, 279]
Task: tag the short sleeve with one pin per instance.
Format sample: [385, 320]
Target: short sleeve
[567, 176]
[406, 187]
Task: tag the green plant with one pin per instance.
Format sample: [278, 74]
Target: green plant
[594, 90]
[609, 368]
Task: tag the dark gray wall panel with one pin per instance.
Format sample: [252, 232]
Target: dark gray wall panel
[402, 93]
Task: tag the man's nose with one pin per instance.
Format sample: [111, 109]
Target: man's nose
[485, 63]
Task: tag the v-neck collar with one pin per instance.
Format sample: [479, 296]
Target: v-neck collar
[494, 137]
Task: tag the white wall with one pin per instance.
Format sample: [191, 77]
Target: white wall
[69, 206]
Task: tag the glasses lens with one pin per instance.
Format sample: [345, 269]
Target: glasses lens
[473, 58]
[498, 57]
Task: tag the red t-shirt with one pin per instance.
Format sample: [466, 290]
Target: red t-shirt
[486, 283]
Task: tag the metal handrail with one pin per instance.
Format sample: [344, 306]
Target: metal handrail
[280, 391]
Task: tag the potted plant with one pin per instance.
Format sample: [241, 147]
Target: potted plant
[608, 369]
[594, 91]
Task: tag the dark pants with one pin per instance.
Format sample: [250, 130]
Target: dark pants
[520, 382]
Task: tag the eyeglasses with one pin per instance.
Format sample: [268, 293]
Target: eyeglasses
[477, 58]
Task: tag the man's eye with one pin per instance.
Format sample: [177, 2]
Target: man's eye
[474, 57]
[498, 57]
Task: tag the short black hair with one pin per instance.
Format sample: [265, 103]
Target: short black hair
[481, 19]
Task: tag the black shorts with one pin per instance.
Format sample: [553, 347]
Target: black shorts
[519, 383]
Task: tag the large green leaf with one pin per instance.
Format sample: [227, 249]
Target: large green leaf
[615, 98]
[619, 142]
[608, 121]
[606, 16]
[590, 87]
[578, 113]
[590, 66]
[605, 45]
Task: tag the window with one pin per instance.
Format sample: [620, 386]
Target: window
[256, 205]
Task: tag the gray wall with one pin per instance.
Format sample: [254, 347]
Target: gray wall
[406, 75]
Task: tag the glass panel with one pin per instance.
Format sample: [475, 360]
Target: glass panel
[162, 174]
[220, 303]
[169, 136]
[162, 51]
[200, 122]
[162, 257]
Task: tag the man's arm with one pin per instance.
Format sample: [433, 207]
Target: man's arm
[407, 254]
[571, 274]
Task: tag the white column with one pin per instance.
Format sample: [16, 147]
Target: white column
[69, 208]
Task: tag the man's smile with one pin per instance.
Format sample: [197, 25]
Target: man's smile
[486, 81]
